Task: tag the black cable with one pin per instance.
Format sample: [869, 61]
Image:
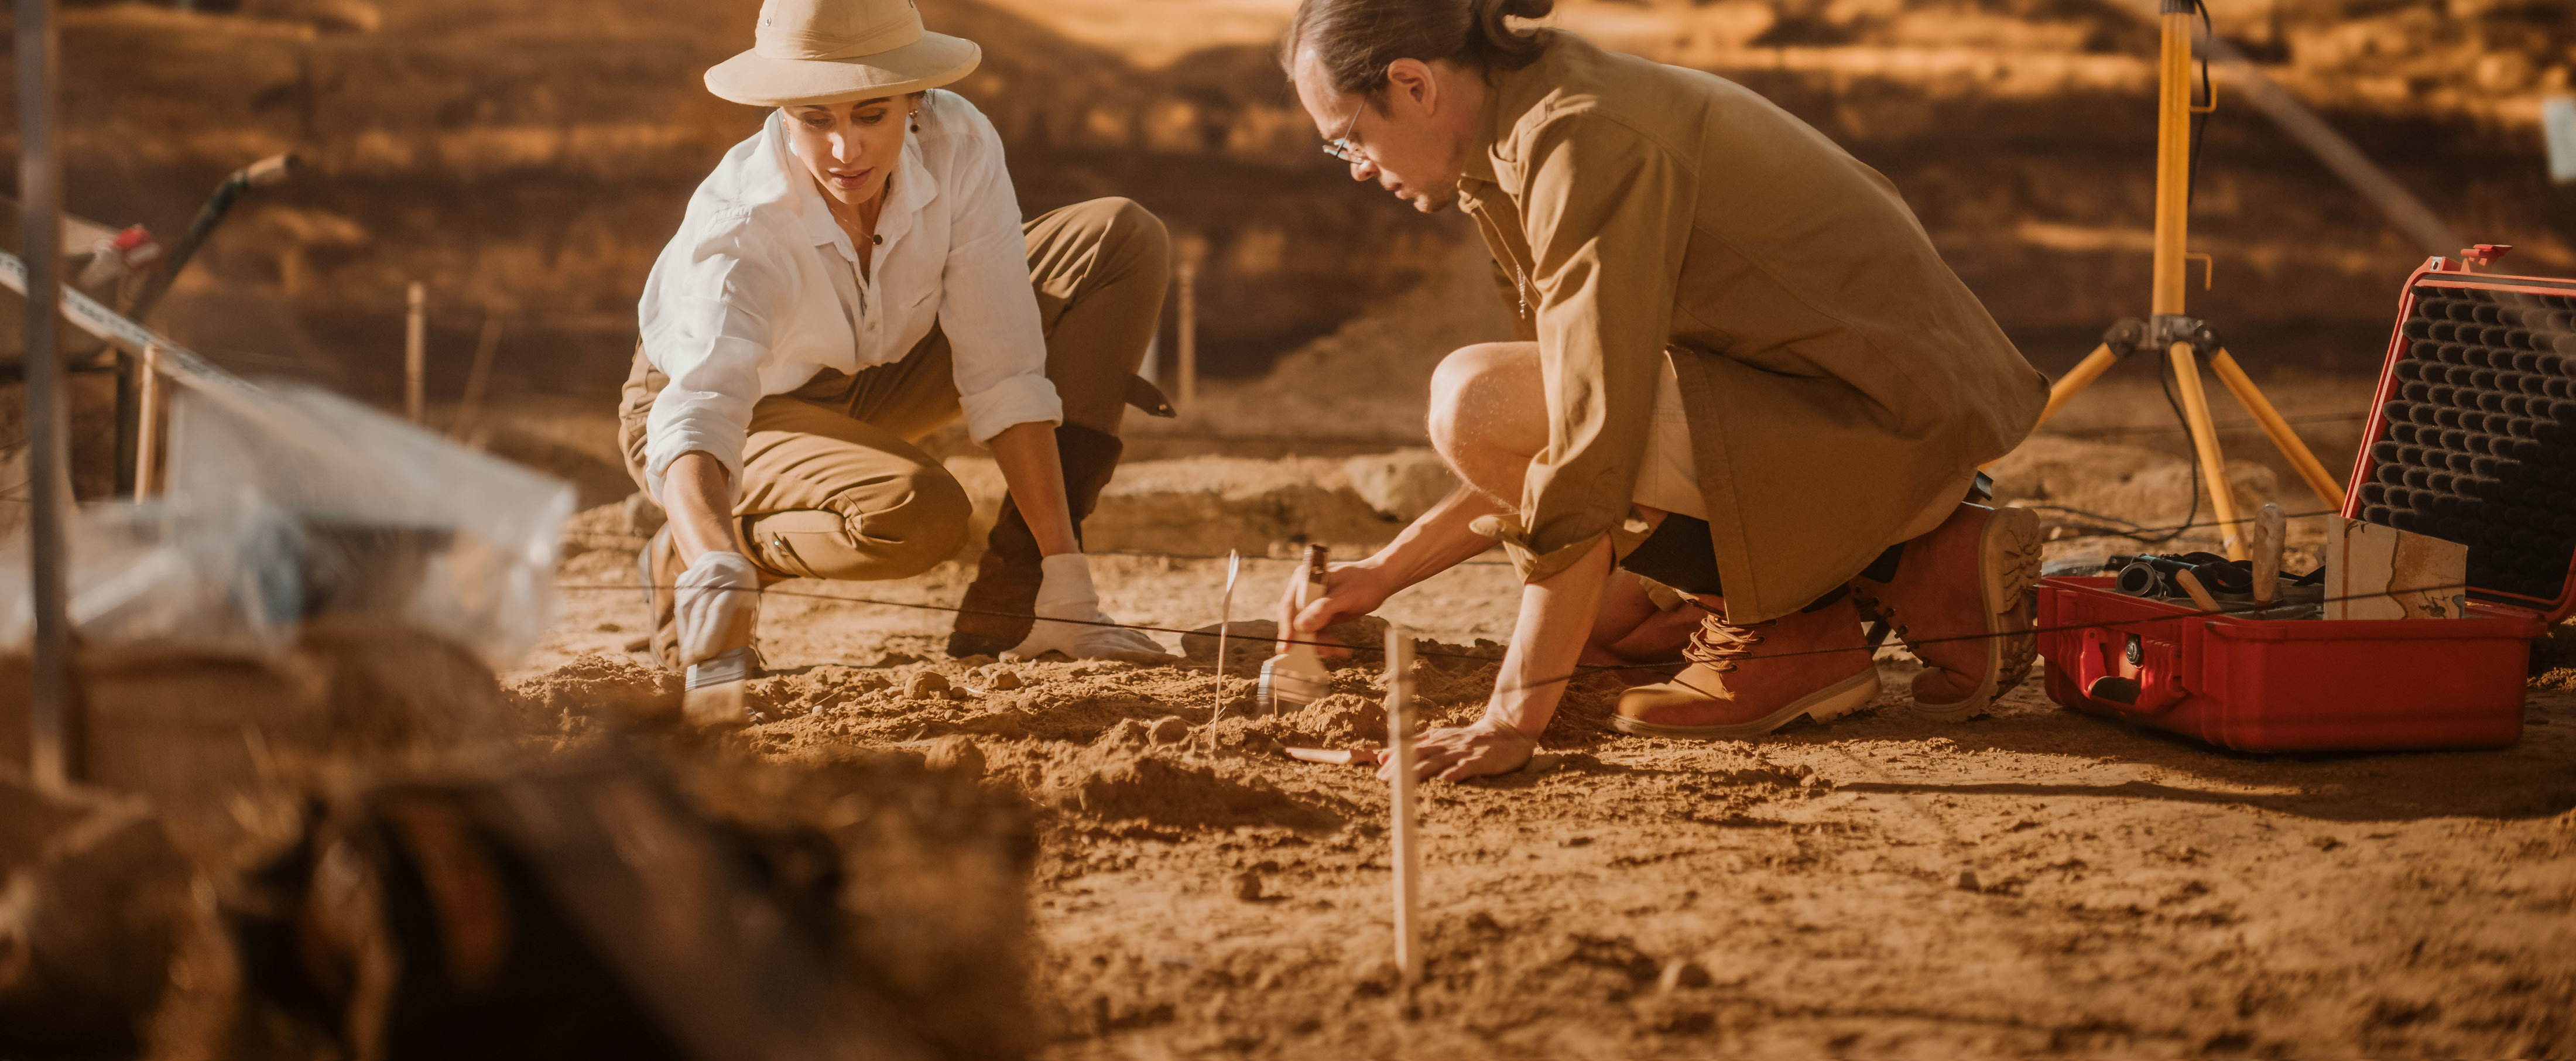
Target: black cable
[2192, 442]
[2200, 119]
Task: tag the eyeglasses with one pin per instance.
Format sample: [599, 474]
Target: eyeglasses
[1341, 147]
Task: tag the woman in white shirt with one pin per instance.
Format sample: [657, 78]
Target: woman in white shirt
[849, 279]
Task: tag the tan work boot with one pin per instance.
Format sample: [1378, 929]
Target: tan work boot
[1745, 681]
[1962, 603]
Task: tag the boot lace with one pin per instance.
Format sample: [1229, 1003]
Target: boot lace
[1872, 608]
[1717, 644]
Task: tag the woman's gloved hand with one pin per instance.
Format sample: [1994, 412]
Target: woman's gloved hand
[1067, 594]
[717, 600]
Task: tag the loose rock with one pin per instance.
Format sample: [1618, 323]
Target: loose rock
[1169, 729]
[926, 685]
[955, 753]
[1004, 723]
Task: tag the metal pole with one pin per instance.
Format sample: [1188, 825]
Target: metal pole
[2204, 436]
[2173, 158]
[415, 351]
[40, 185]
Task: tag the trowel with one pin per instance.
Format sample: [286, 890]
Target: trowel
[1295, 678]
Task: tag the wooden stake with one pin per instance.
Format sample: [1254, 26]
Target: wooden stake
[1193, 249]
[476, 378]
[53, 713]
[415, 351]
[2271, 532]
[1224, 626]
[1408, 847]
[147, 431]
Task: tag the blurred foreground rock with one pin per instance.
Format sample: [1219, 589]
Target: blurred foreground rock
[398, 860]
[93, 903]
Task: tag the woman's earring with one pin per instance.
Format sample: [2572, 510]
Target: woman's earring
[916, 120]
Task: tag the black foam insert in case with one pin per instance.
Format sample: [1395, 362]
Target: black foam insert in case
[2474, 440]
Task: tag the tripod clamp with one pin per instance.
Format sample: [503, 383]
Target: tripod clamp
[2157, 334]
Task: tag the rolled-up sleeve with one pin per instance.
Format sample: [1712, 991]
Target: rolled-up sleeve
[1608, 215]
[987, 309]
[709, 330]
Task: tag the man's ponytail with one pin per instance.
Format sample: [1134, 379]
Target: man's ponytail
[1354, 40]
[1507, 47]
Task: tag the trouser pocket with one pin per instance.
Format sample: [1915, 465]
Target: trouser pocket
[807, 544]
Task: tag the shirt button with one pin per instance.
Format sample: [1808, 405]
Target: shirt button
[876, 240]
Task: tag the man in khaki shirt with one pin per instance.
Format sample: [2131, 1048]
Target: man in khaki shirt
[1748, 395]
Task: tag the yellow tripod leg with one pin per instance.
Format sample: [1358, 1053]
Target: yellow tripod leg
[2066, 387]
[2204, 437]
[2279, 429]
[2076, 379]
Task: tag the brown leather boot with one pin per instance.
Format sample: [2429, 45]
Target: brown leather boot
[1962, 603]
[1745, 681]
[1006, 579]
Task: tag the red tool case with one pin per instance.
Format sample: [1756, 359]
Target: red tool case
[2473, 440]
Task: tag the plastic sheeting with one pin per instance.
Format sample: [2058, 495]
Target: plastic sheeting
[288, 504]
[142, 574]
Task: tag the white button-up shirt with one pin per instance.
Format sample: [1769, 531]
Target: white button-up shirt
[760, 289]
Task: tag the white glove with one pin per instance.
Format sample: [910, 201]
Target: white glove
[1066, 593]
[717, 600]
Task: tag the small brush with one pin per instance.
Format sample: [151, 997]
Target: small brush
[1295, 678]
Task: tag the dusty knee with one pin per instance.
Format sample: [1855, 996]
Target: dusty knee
[1128, 234]
[895, 525]
[1475, 392]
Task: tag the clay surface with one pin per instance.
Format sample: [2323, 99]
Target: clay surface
[2034, 883]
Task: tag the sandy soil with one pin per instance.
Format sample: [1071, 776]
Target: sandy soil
[2035, 883]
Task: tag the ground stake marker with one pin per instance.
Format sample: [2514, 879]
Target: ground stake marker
[1408, 849]
[1224, 623]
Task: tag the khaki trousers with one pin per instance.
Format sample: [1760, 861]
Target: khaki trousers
[833, 486]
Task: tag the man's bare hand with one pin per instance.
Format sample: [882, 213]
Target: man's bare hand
[1350, 590]
[1473, 750]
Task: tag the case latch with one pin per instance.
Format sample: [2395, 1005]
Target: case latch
[2131, 672]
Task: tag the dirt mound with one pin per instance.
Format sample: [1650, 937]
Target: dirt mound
[1122, 778]
[568, 698]
[1203, 505]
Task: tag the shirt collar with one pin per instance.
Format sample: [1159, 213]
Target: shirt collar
[1508, 95]
[1480, 151]
[912, 190]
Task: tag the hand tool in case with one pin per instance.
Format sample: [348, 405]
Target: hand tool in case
[2473, 440]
